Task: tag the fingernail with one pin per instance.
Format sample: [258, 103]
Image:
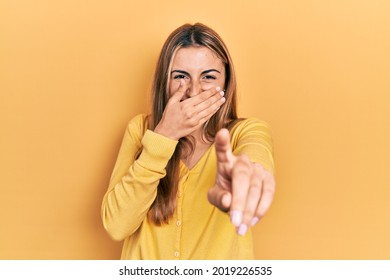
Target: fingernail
[222, 93]
[242, 229]
[236, 217]
[218, 88]
[223, 99]
[254, 221]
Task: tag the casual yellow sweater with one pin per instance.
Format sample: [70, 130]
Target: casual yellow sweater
[197, 230]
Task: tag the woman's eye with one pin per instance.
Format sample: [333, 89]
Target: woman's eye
[209, 77]
[179, 77]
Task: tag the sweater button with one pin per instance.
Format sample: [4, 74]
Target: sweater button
[177, 254]
[178, 223]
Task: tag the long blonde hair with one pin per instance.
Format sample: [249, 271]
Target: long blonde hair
[185, 36]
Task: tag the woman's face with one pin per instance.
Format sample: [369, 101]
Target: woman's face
[200, 69]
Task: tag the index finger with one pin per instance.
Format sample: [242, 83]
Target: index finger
[204, 95]
[178, 95]
[222, 146]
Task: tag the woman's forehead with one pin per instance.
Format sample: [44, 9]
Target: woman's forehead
[196, 58]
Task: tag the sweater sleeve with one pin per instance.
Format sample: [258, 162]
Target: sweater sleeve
[253, 138]
[134, 181]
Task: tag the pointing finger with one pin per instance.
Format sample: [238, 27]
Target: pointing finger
[222, 147]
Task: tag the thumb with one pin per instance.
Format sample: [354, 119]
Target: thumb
[178, 95]
[220, 198]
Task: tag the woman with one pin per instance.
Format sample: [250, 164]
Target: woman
[191, 178]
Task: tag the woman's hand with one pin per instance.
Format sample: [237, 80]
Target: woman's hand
[182, 117]
[242, 187]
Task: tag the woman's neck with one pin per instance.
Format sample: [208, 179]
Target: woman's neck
[200, 147]
[199, 137]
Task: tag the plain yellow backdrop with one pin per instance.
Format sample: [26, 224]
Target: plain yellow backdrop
[72, 73]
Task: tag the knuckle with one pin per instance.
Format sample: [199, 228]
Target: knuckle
[271, 178]
[261, 176]
[215, 98]
[247, 216]
[243, 162]
[258, 167]
[204, 96]
[269, 192]
[243, 158]
[241, 169]
[260, 172]
[255, 193]
[187, 114]
[216, 106]
[255, 190]
[212, 109]
[193, 122]
[202, 120]
[260, 214]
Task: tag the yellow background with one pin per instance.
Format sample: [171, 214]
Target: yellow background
[72, 73]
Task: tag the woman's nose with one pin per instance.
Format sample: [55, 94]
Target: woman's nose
[194, 89]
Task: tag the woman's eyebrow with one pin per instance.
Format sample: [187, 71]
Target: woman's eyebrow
[204, 72]
[210, 70]
[181, 72]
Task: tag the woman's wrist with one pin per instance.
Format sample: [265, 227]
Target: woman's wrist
[164, 132]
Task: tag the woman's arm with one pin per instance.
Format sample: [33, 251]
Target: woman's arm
[134, 181]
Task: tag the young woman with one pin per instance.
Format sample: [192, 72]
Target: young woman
[191, 178]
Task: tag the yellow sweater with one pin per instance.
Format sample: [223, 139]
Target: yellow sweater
[197, 230]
